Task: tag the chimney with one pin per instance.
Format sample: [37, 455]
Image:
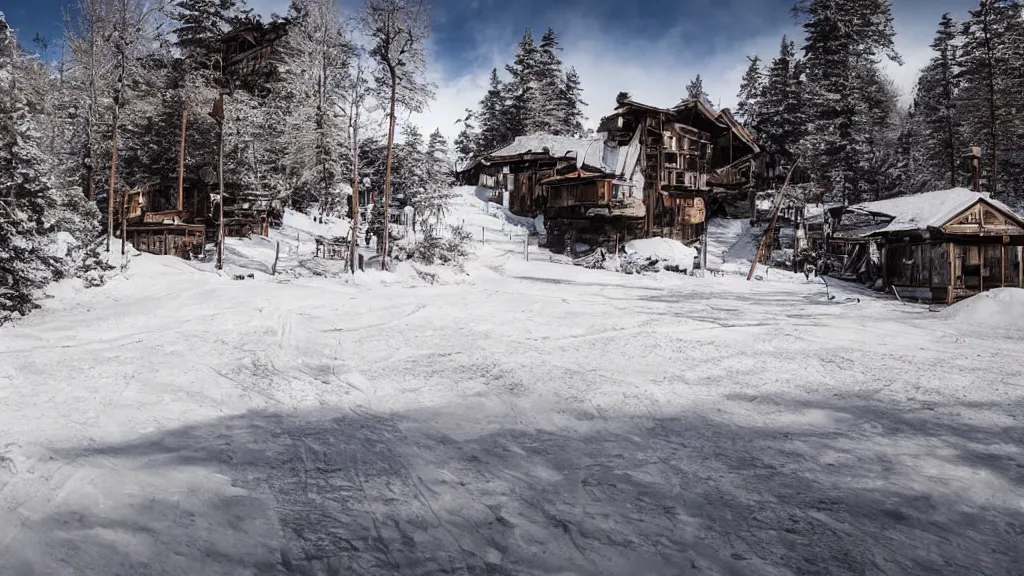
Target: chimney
[974, 155]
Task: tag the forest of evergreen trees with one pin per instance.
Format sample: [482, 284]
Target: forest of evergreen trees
[100, 110]
[831, 105]
[539, 96]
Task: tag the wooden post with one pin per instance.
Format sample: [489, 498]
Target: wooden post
[981, 269]
[277, 254]
[885, 266]
[124, 231]
[526, 247]
[1020, 266]
[1002, 262]
[952, 272]
[771, 226]
[181, 157]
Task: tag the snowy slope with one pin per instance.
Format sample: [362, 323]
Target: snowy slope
[732, 245]
[536, 419]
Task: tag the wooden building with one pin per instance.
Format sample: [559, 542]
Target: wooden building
[159, 221]
[649, 172]
[935, 247]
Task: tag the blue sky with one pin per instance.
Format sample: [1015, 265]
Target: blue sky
[650, 48]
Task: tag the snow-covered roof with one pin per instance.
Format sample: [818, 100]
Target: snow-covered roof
[928, 210]
[594, 153]
[586, 151]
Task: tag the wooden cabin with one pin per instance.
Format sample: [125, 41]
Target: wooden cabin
[648, 173]
[938, 246]
[156, 221]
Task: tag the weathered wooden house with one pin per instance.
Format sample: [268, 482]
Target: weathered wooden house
[933, 247]
[159, 220]
[649, 172]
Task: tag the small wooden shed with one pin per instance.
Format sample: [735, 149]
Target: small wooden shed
[947, 245]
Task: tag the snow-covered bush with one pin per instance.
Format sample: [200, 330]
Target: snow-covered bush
[451, 250]
[654, 254]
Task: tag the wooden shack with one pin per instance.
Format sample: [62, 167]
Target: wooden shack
[153, 223]
[245, 214]
[938, 246]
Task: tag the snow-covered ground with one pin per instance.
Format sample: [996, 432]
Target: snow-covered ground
[521, 418]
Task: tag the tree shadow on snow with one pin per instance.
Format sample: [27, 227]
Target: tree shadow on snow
[367, 493]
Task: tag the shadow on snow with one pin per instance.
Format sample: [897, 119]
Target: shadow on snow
[365, 493]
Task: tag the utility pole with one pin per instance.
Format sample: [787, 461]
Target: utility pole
[218, 115]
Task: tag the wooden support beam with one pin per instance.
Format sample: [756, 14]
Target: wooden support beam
[981, 269]
[1002, 262]
[952, 273]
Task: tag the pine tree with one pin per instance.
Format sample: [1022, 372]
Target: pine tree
[782, 107]
[695, 91]
[200, 25]
[434, 204]
[549, 97]
[466, 141]
[522, 110]
[992, 76]
[571, 100]
[409, 179]
[494, 117]
[748, 106]
[936, 120]
[844, 41]
[39, 217]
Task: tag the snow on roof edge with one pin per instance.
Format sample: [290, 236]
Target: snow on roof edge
[929, 209]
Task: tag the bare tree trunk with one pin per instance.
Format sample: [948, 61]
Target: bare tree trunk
[220, 195]
[387, 172]
[991, 97]
[181, 156]
[354, 248]
[113, 172]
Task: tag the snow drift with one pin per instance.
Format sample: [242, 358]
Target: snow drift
[999, 308]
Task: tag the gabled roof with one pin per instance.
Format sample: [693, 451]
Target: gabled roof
[700, 105]
[739, 129]
[929, 210]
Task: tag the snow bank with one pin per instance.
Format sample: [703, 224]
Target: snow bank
[330, 228]
[667, 252]
[999, 308]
